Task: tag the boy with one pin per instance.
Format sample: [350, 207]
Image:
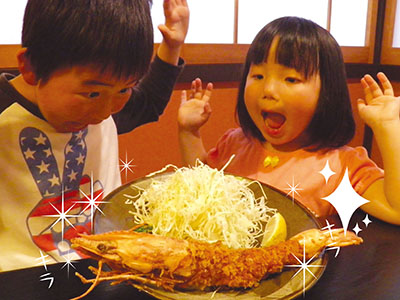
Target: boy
[83, 80]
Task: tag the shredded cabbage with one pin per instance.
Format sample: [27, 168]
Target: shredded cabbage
[204, 204]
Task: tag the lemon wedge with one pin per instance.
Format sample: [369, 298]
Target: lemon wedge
[275, 231]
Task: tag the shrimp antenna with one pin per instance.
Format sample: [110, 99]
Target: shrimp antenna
[95, 282]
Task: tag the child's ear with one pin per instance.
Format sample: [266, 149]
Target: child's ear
[25, 67]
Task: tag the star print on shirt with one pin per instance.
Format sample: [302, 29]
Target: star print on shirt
[58, 189]
[29, 154]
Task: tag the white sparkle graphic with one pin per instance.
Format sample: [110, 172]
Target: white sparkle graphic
[327, 172]
[43, 260]
[334, 248]
[345, 200]
[91, 201]
[357, 229]
[44, 277]
[293, 189]
[62, 216]
[51, 279]
[304, 266]
[366, 221]
[329, 227]
[126, 166]
[68, 263]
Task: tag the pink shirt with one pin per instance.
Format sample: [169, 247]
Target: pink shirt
[299, 168]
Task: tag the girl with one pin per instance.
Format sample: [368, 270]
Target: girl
[295, 115]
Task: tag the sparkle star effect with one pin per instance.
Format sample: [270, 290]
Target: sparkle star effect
[68, 263]
[327, 172]
[366, 221]
[304, 267]
[293, 189]
[62, 216]
[126, 166]
[357, 229]
[345, 200]
[91, 201]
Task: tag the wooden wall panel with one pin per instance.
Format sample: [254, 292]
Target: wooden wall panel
[8, 56]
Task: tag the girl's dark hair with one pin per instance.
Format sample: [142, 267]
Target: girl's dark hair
[113, 34]
[310, 49]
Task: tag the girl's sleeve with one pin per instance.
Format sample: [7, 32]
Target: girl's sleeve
[149, 97]
[362, 170]
[218, 156]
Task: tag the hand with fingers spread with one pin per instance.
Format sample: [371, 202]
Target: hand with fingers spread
[195, 111]
[193, 114]
[176, 22]
[380, 110]
[174, 30]
[380, 107]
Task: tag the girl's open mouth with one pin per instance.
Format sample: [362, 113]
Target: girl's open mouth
[273, 120]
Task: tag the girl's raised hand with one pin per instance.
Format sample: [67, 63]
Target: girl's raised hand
[194, 113]
[176, 22]
[380, 107]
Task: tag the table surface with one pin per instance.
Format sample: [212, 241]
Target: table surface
[367, 271]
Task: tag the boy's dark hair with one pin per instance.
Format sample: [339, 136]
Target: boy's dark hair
[112, 34]
[310, 49]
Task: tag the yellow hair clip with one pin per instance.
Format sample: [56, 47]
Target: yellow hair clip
[271, 161]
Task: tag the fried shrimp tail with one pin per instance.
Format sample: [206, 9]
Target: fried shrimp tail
[174, 263]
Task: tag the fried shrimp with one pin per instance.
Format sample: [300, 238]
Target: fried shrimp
[175, 263]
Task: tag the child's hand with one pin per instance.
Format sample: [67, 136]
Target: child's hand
[380, 107]
[176, 22]
[194, 113]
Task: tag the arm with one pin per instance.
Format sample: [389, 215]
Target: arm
[174, 30]
[380, 110]
[151, 95]
[149, 98]
[192, 115]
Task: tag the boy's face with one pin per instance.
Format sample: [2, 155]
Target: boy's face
[76, 97]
